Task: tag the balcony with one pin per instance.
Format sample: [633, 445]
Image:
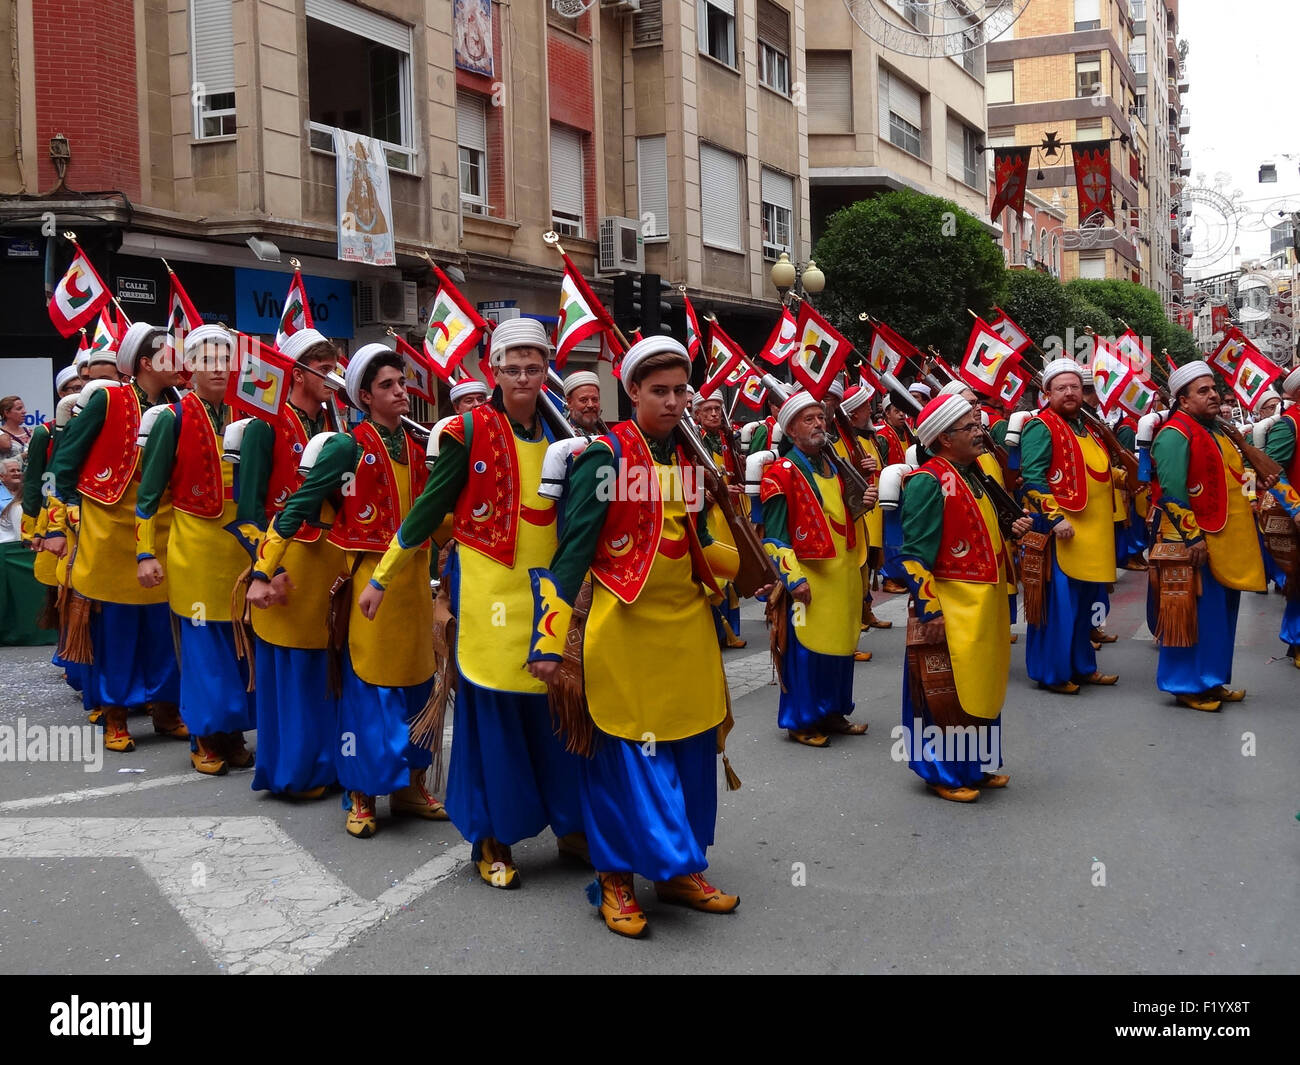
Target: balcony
[1185, 121]
[1183, 83]
[1138, 61]
[1185, 165]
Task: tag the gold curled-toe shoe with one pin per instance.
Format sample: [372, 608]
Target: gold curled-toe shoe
[694, 891]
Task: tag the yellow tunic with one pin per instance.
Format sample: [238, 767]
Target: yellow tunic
[832, 621]
[973, 614]
[669, 630]
[203, 560]
[396, 649]
[841, 450]
[1089, 555]
[303, 621]
[992, 468]
[494, 618]
[105, 566]
[45, 566]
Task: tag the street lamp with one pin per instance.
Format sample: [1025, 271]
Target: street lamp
[786, 275]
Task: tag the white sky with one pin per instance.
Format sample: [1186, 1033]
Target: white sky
[1242, 66]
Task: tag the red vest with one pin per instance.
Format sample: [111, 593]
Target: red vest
[895, 452]
[633, 528]
[995, 416]
[1292, 414]
[286, 452]
[113, 458]
[965, 546]
[196, 484]
[368, 518]
[1207, 481]
[810, 530]
[1067, 476]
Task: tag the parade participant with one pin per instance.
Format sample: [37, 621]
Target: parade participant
[921, 392]
[467, 394]
[1267, 405]
[1131, 539]
[509, 775]
[708, 415]
[82, 365]
[957, 567]
[761, 440]
[1199, 478]
[102, 365]
[181, 466]
[297, 713]
[1281, 446]
[893, 435]
[649, 806]
[95, 471]
[815, 546]
[371, 475]
[582, 397]
[856, 406]
[1068, 479]
[1119, 520]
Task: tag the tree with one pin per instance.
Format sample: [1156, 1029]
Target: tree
[1056, 317]
[914, 261]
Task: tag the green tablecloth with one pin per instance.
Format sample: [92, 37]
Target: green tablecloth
[21, 598]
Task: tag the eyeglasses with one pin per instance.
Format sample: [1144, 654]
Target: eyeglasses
[974, 427]
[515, 372]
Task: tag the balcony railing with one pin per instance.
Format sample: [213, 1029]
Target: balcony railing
[1138, 61]
[1185, 121]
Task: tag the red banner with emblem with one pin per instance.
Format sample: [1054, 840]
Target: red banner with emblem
[1092, 178]
[1011, 174]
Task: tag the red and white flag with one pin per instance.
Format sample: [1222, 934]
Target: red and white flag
[297, 311]
[455, 328]
[988, 358]
[1110, 375]
[259, 387]
[1255, 372]
[78, 297]
[821, 353]
[1014, 382]
[887, 349]
[419, 372]
[1129, 349]
[783, 341]
[694, 335]
[1009, 331]
[725, 355]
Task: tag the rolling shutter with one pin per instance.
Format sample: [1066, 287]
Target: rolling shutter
[214, 46]
[720, 198]
[830, 92]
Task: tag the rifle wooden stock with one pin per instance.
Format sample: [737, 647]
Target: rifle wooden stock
[1265, 468]
[856, 485]
[1012, 477]
[1008, 510]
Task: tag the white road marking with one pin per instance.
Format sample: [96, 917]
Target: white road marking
[61, 797]
[253, 897]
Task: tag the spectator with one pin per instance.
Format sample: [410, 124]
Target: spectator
[11, 500]
[14, 435]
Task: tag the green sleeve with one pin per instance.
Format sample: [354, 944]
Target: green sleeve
[1035, 452]
[999, 432]
[156, 464]
[337, 459]
[922, 519]
[1170, 452]
[758, 442]
[446, 481]
[776, 520]
[75, 443]
[1127, 436]
[255, 452]
[584, 514]
[33, 476]
[1279, 445]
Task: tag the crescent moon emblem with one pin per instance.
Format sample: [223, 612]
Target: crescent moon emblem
[481, 512]
[548, 623]
[1057, 476]
[960, 549]
[621, 546]
[367, 513]
[104, 474]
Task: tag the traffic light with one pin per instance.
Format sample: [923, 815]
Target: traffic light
[656, 312]
[627, 302]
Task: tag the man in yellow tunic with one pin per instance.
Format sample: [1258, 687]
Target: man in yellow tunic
[370, 476]
[957, 568]
[815, 546]
[1068, 480]
[182, 463]
[708, 413]
[856, 406]
[96, 475]
[1199, 487]
[636, 522]
[509, 776]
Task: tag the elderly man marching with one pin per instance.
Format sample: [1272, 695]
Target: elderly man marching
[1068, 480]
[297, 713]
[96, 475]
[1198, 486]
[649, 785]
[467, 394]
[509, 776]
[182, 464]
[957, 569]
[372, 476]
[582, 397]
[1283, 446]
[810, 536]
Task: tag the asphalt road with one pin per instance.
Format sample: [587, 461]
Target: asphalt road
[845, 863]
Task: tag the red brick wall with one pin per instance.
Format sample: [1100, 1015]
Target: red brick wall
[85, 89]
[572, 103]
[492, 89]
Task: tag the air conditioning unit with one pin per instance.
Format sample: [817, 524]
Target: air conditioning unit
[387, 303]
[621, 246]
[621, 5]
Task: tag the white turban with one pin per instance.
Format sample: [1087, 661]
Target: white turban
[1185, 375]
[64, 376]
[580, 378]
[1059, 366]
[792, 406]
[296, 344]
[699, 399]
[836, 388]
[854, 398]
[357, 370]
[518, 333]
[1292, 383]
[196, 338]
[921, 387]
[469, 387]
[130, 347]
[940, 415]
[954, 388]
[644, 348]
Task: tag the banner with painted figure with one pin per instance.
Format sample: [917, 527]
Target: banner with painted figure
[365, 207]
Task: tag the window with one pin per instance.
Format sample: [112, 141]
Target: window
[1138, 8]
[778, 213]
[212, 46]
[717, 27]
[830, 92]
[1137, 55]
[999, 86]
[568, 201]
[1087, 15]
[652, 186]
[720, 200]
[773, 47]
[1056, 257]
[998, 25]
[1087, 75]
[1029, 244]
[963, 159]
[359, 78]
[648, 23]
[1140, 101]
[1088, 125]
[1004, 137]
[900, 113]
[1042, 249]
[1092, 267]
[910, 10]
[471, 136]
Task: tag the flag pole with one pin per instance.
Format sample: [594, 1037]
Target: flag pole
[552, 239]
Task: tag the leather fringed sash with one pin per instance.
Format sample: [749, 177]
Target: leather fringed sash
[1177, 586]
[1035, 572]
[931, 681]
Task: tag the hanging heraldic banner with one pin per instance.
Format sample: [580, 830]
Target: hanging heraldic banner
[474, 36]
[365, 207]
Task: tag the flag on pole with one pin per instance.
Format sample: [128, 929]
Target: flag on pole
[1111, 374]
[821, 352]
[181, 318]
[1009, 331]
[887, 349]
[297, 311]
[783, 341]
[419, 374]
[1137, 397]
[987, 359]
[1011, 172]
[1218, 318]
[1014, 383]
[753, 393]
[106, 335]
[694, 335]
[1229, 353]
[78, 297]
[582, 315]
[455, 328]
[1255, 372]
[1129, 349]
[259, 387]
[724, 356]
